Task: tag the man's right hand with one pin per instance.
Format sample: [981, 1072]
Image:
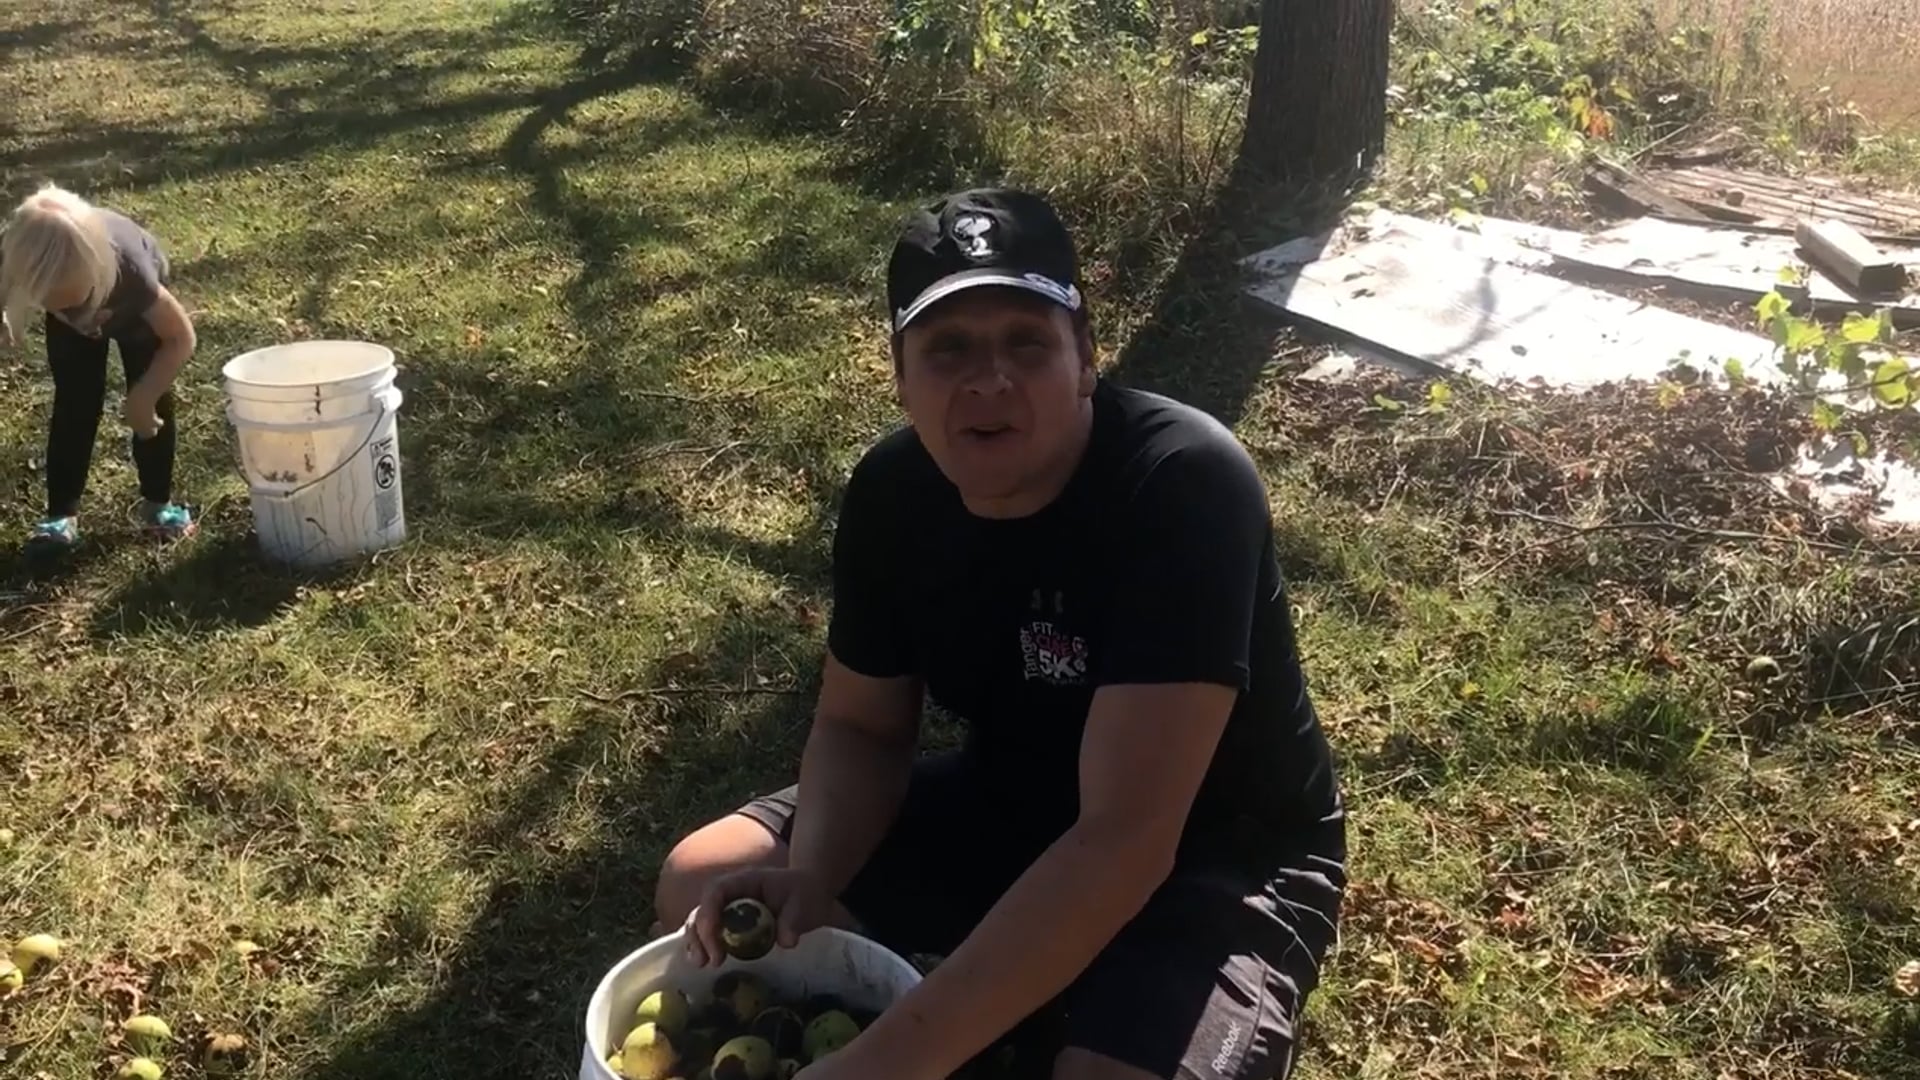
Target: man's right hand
[797, 898]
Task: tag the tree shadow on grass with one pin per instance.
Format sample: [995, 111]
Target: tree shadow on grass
[493, 447]
[1658, 733]
[586, 454]
[384, 85]
[1205, 342]
[36, 36]
[675, 748]
[619, 442]
[224, 580]
[633, 423]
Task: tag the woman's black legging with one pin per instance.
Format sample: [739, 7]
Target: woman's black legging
[79, 365]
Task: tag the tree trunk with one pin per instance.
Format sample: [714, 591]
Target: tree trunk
[1318, 109]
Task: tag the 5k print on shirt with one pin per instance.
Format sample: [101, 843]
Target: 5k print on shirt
[1054, 654]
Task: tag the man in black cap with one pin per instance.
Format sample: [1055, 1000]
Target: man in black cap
[1141, 845]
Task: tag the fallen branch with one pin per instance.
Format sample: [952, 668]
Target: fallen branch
[712, 450]
[1657, 525]
[711, 395]
[637, 692]
[1893, 692]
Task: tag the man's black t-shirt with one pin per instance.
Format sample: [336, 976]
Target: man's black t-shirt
[1156, 564]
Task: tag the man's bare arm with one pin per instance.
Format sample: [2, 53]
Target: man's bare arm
[853, 772]
[1146, 750]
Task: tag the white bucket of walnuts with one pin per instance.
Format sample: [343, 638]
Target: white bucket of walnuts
[656, 1016]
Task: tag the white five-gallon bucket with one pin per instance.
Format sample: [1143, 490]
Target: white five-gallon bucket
[861, 972]
[317, 423]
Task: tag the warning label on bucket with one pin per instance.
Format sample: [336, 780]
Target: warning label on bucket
[386, 473]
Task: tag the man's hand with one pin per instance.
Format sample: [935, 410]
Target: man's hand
[799, 901]
[139, 412]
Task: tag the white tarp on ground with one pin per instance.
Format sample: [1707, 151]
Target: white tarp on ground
[1833, 475]
[1479, 302]
[1447, 300]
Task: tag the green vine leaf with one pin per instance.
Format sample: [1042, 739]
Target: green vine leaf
[1892, 383]
[1770, 309]
[1847, 359]
[1861, 329]
[1804, 336]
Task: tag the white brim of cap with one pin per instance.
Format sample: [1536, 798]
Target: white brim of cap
[1067, 296]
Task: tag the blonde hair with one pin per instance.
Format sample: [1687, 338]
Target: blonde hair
[50, 237]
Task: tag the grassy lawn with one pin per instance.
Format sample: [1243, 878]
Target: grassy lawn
[640, 349]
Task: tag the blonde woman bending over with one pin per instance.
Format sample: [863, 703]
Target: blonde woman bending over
[99, 277]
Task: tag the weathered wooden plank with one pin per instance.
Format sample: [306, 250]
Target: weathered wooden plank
[1838, 250]
[1735, 265]
[1902, 240]
[1783, 201]
[1627, 191]
[1709, 261]
[1454, 311]
[1810, 187]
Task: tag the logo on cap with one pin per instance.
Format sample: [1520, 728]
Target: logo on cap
[971, 231]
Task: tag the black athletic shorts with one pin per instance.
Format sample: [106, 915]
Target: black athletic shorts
[1206, 983]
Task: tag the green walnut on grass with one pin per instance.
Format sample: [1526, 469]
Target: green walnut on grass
[140, 1068]
[148, 1035]
[33, 950]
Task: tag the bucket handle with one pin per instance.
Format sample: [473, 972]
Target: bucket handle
[345, 459]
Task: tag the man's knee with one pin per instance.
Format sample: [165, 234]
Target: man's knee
[1077, 1064]
[734, 842]
[1074, 1063]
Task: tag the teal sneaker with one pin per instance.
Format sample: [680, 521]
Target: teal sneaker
[169, 521]
[54, 534]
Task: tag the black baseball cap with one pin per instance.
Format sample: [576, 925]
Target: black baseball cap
[986, 236]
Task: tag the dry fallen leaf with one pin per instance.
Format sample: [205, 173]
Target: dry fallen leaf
[679, 665]
[1907, 980]
[1424, 949]
[1596, 985]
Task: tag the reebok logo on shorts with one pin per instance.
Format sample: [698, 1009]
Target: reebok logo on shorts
[1223, 1061]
